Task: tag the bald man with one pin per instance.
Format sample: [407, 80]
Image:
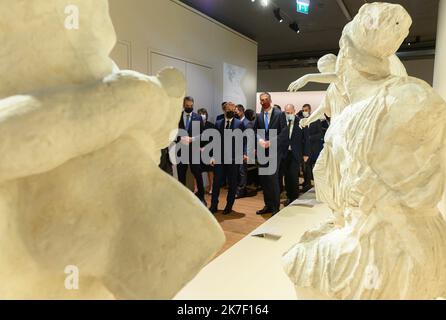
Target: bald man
[294, 151]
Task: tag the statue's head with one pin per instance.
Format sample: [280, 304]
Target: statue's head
[46, 43]
[327, 64]
[379, 28]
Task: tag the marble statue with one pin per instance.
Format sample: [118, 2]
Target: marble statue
[335, 99]
[383, 170]
[81, 195]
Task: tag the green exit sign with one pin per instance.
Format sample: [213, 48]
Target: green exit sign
[303, 6]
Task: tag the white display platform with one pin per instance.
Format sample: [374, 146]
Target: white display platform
[252, 268]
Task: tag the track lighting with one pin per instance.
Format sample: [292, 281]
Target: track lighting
[278, 15]
[295, 27]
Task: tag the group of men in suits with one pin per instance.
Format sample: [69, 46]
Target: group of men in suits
[277, 133]
[226, 169]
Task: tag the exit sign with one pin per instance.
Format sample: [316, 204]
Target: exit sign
[303, 6]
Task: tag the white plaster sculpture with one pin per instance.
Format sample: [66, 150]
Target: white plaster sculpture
[383, 169]
[335, 99]
[80, 189]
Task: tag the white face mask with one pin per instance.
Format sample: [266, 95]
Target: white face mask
[306, 114]
[203, 116]
[290, 117]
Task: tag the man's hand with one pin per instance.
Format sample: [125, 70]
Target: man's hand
[245, 158]
[212, 162]
[186, 140]
[264, 144]
[306, 158]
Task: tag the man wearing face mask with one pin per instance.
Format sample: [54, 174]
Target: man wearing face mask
[269, 119]
[188, 118]
[314, 136]
[294, 150]
[226, 164]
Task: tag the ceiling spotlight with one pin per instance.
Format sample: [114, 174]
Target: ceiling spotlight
[295, 27]
[278, 15]
[264, 3]
[253, 0]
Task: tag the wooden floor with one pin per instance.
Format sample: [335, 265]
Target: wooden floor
[244, 219]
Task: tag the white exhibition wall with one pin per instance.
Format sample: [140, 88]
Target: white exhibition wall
[158, 33]
[298, 99]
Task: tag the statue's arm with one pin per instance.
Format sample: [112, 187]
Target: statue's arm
[42, 131]
[315, 116]
[326, 78]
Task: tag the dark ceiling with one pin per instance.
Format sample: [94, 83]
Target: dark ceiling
[320, 30]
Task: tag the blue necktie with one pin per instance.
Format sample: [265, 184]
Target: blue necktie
[187, 122]
[266, 122]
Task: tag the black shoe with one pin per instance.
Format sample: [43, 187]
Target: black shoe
[227, 211]
[213, 210]
[241, 194]
[265, 210]
[287, 203]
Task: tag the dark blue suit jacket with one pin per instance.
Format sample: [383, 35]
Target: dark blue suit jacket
[277, 122]
[245, 123]
[298, 142]
[194, 118]
[235, 124]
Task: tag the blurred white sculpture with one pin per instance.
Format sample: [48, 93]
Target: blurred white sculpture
[383, 168]
[80, 190]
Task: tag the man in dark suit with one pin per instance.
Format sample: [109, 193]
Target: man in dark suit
[269, 119]
[188, 118]
[227, 164]
[294, 150]
[243, 169]
[221, 116]
[315, 139]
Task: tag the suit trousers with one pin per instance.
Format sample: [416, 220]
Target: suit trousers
[271, 190]
[243, 177]
[230, 171]
[308, 173]
[291, 169]
[196, 172]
